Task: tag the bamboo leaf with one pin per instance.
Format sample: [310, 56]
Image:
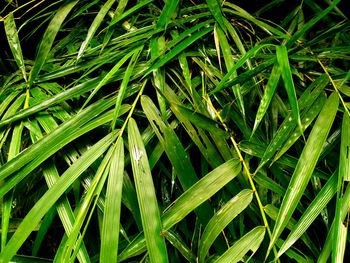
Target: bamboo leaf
[307, 26]
[310, 214]
[340, 229]
[307, 98]
[111, 216]
[15, 45]
[306, 120]
[239, 64]
[51, 196]
[250, 241]
[305, 165]
[150, 216]
[48, 39]
[200, 192]
[177, 49]
[268, 94]
[344, 162]
[283, 62]
[94, 26]
[221, 219]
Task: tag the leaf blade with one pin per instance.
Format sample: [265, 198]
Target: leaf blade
[146, 195]
[305, 166]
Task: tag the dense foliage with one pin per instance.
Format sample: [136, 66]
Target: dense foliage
[174, 131]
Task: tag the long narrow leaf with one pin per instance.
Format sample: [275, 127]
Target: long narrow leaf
[152, 225]
[305, 165]
[221, 219]
[15, 45]
[250, 241]
[111, 216]
[51, 196]
[48, 39]
[94, 26]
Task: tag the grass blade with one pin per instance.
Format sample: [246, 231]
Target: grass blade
[305, 165]
[111, 216]
[221, 219]
[215, 10]
[152, 225]
[168, 13]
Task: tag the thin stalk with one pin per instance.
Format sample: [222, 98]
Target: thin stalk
[334, 86]
[132, 108]
[247, 172]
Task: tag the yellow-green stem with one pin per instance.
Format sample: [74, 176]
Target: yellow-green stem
[247, 172]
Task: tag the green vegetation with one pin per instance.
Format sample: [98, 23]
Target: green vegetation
[174, 131]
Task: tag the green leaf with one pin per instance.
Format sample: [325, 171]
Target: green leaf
[306, 120]
[14, 43]
[94, 26]
[340, 229]
[175, 239]
[228, 57]
[177, 49]
[328, 244]
[305, 165]
[268, 95]
[48, 39]
[344, 162]
[200, 192]
[239, 64]
[124, 85]
[306, 100]
[111, 215]
[51, 175]
[175, 151]
[168, 13]
[250, 241]
[111, 74]
[51, 196]
[283, 62]
[311, 23]
[310, 214]
[221, 219]
[215, 10]
[150, 216]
